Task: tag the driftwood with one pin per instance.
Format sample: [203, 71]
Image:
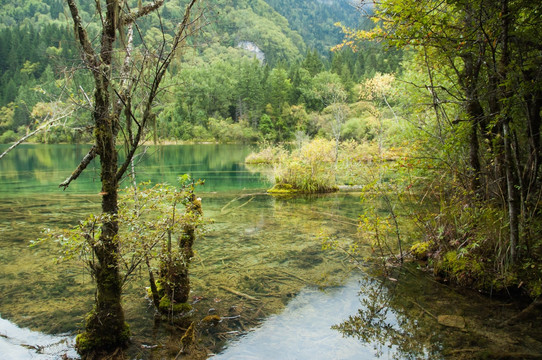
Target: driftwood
[223, 210]
[525, 313]
[424, 310]
[294, 276]
[235, 292]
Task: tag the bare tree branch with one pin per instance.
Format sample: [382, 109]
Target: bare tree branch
[125, 83]
[82, 36]
[160, 72]
[82, 166]
[54, 121]
[134, 15]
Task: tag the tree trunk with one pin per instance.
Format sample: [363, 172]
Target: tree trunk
[174, 274]
[512, 192]
[534, 105]
[105, 328]
[474, 159]
[512, 185]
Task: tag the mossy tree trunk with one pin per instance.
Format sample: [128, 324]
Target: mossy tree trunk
[105, 328]
[174, 271]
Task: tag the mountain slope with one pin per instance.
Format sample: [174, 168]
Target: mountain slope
[314, 20]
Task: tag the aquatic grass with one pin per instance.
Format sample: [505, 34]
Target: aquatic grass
[316, 167]
[310, 169]
[249, 249]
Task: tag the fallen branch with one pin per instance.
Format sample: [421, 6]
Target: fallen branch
[346, 220]
[235, 292]
[294, 276]
[525, 313]
[236, 208]
[239, 198]
[424, 310]
[82, 166]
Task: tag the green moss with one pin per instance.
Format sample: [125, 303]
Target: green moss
[167, 306]
[454, 263]
[159, 286]
[466, 270]
[159, 289]
[84, 343]
[535, 289]
[88, 342]
[280, 188]
[288, 189]
[211, 319]
[165, 303]
[420, 250]
[189, 336]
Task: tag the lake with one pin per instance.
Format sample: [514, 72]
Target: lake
[297, 301]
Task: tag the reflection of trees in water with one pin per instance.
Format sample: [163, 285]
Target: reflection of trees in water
[408, 316]
[385, 322]
[222, 166]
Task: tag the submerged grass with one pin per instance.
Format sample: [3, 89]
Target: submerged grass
[265, 249]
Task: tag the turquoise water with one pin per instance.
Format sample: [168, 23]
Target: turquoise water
[33, 169]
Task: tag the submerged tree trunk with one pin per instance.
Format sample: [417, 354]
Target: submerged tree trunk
[174, 272]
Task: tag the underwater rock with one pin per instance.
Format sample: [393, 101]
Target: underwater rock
[452, 321]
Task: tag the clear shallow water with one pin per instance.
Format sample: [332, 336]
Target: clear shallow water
[265, 247]
[254, 244]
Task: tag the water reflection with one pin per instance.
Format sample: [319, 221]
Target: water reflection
[303, 330]
[35, 168]
[403, 315]
[407, 315]
[22, 344]
[264, 247]
[389, 328]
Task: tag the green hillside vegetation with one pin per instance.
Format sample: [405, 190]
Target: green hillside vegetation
[315, 20]
[433, 113]
[217, 92]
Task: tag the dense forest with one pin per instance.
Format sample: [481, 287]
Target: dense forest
[220, 92]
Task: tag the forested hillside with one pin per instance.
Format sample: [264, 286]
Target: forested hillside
[431, 109]
[216, 86]
[315, 20]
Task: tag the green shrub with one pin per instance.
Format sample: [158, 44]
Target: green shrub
[8, 136]
[268, 155]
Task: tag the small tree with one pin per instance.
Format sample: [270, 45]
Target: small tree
[162, 236]
[150, 219]
[333, 95]
[377, 89]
